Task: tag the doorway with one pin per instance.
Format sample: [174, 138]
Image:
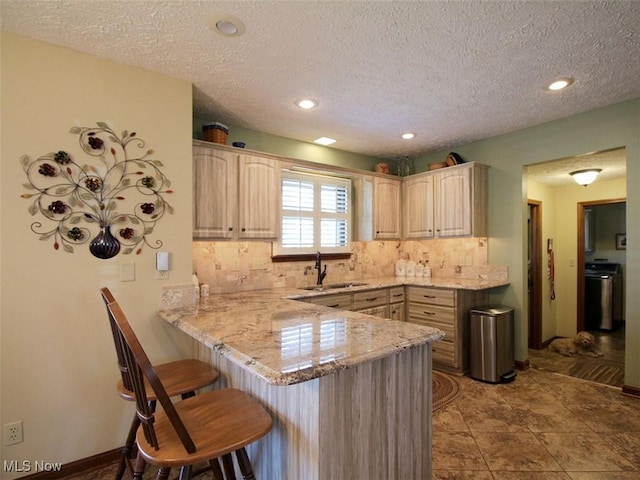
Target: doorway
[584, 235]
[534, 275]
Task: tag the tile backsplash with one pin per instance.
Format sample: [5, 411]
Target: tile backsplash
[233, 266]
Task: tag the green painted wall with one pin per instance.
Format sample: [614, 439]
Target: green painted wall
[287, 147]
[614, 126]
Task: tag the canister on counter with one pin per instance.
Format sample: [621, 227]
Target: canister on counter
[401, 267]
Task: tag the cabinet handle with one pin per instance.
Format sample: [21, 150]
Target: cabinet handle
[377, 232]
[231, 229]
[243, 229]
[333, 306]
[429, 313]
[398, 295]
[371, 299]
[429, 296]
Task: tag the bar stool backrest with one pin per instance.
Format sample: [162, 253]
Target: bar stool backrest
[137, 367]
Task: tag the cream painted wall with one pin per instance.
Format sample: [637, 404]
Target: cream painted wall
[57, 357]
[547, 196]
[560, 222]
[567, 233]
[614, 126]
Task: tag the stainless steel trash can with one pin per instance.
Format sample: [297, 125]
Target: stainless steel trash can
[492, 357]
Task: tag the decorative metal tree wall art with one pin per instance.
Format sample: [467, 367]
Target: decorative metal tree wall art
[81, 202]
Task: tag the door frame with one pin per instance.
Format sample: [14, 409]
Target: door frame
[580, 323]
[535, 289]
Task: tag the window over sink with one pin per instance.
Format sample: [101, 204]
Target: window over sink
[315, 214]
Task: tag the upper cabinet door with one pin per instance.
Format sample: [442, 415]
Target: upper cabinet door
[418, 207]
[259, 197]
[453, 201]
[386, 208]
[461, 195]
[215, 191]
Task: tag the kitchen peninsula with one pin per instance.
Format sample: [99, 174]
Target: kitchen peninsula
[350, 394]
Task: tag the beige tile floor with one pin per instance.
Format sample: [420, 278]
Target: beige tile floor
[543, 426]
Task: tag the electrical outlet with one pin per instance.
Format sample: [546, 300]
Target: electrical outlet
[13, 433]
[162, 274]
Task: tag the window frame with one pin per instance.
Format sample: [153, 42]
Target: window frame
[281, 253]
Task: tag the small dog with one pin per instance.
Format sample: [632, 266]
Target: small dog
[583, 343]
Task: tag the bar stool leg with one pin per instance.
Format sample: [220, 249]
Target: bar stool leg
[227, 463]
[138, 470]
[215, 468]
[163, 473]
[125, 457]
[245, 464]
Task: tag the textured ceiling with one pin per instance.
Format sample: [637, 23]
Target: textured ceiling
[613, 164]
[453, 72]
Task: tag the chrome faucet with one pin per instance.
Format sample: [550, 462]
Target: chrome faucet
[321, 273]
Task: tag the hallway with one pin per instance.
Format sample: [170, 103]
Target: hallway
[608, 369]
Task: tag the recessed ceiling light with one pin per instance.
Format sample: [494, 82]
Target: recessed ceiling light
[559, 84]
[408, 135]
[306, 103]
[324, 141]
[227, 25]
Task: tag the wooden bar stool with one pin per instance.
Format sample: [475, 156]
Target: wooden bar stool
[180, 377]
[208, 427]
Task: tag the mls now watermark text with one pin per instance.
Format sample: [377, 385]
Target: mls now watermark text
[25, 466]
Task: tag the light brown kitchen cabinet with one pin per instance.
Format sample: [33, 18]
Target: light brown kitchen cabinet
[258, 199]
[461, 201]
[418, 206]
[339, 300]
[371, 302]
[386, 208]
[370, 298]
[381, 311]
[215, 192]
[449, 202]
[235, 195]
[446, 310]
[396, 304]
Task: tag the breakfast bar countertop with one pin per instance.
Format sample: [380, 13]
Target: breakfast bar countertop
[285, 341]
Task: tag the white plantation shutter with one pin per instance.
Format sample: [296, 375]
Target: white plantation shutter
[315, 214]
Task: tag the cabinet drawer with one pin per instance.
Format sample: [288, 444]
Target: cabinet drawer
[434, 296]
[382, 311]
[444, 352]
[342, 301]
[396, 294]
[370, 298]
[448, 328]
[434, 313]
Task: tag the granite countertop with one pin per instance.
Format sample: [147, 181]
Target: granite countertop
[285, 341]
[381, 282]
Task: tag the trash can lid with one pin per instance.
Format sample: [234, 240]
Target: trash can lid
[492, 309]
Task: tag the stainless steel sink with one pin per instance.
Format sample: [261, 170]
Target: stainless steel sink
[333, 286]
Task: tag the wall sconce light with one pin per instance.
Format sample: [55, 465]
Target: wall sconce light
[585, 177]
